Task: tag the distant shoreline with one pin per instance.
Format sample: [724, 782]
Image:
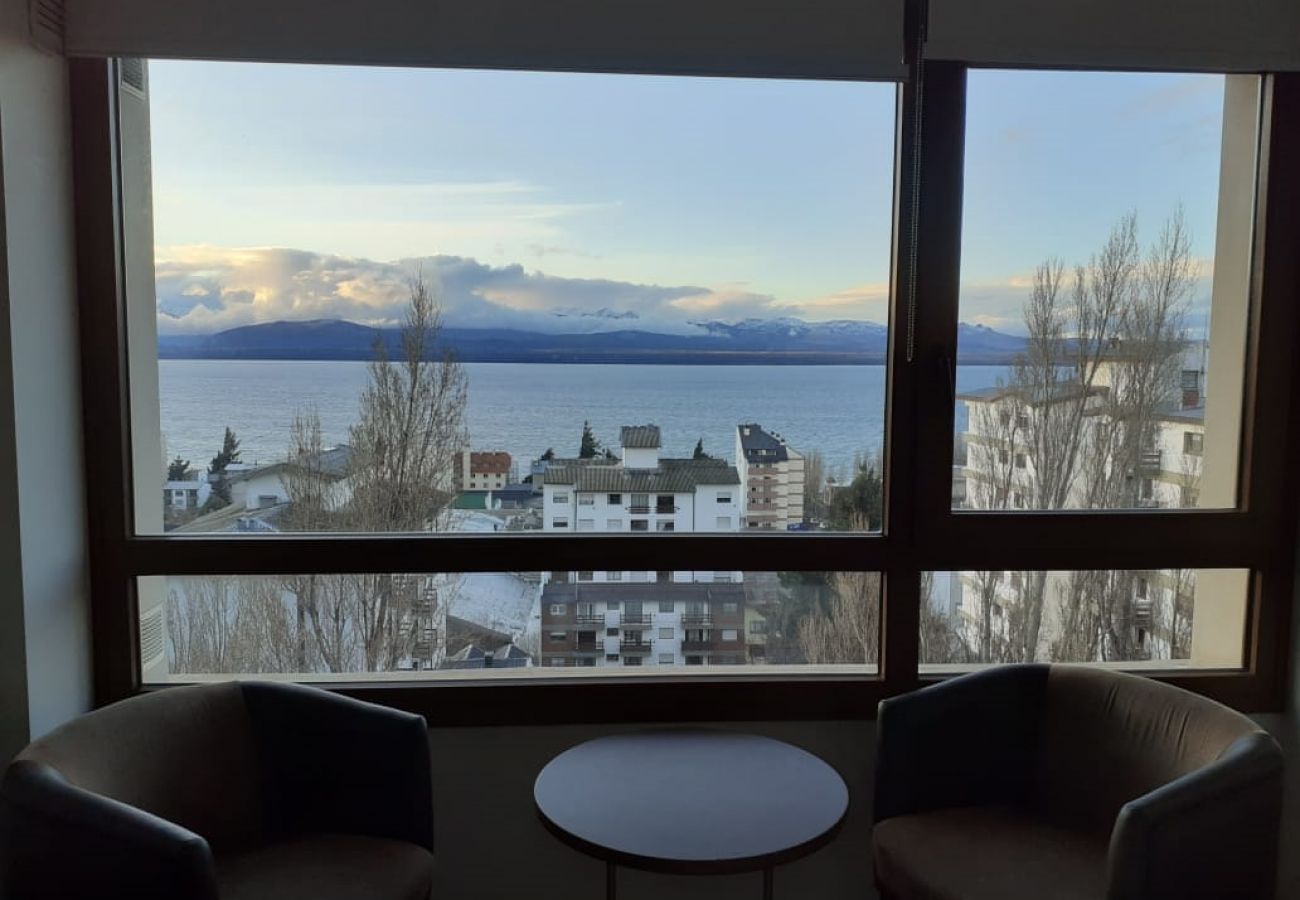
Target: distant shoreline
[688, 357]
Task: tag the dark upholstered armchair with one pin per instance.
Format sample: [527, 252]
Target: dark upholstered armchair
[1071, 783]
[235, 791]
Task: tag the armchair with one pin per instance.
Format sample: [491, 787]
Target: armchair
[233, 791]
[1072, 783]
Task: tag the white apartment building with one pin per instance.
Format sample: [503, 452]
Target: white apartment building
[605, 618]
[487, 470]
[999, 474]
[773, 476]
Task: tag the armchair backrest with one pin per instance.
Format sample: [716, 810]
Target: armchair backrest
[185, 754]
[1108, 738]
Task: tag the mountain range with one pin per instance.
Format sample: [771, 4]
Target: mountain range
[780, 341]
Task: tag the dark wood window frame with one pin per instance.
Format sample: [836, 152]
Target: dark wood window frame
[921, 531]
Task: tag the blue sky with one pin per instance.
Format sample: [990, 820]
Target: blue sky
[585, 202]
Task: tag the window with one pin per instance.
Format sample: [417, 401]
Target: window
[557, 636]
[586, 499]
[611, 657]
[1193, 443]
[615, 499]
[631, 660]
[611, 632]
[614, 576]
[613, 524]
[758, 626]
[730, 634]
[557, 609]
[666, 606]
[666, 634]
[586, 576]
[661, 525]
[667, 659]
[730, 607]
[612, 605]
[724, 497]
[1025, 197]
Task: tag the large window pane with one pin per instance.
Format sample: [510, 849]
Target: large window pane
[318, 627]
[1104, 289]
[599, 254]
[1150, 619]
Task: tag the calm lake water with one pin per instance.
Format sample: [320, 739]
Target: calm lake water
[525, 408]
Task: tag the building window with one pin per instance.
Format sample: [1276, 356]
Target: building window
[631, 660]
[758, 626]
[556, 636]
[560, 523]
[614, 576]
[666, 634]
[613, 524]
[586, 524]
[586, 576]
[730, 607]
[666, 659]
[562, 498]
[611, 632]
[663, 526]
[586, 499]
[615, 499]
[557, 609]
[611, 657]
[1193, 443]
[640, 524]
[730, 634]
[724, 497]
[612, 605]
[666, 606]
[695, 660]
[640, 503]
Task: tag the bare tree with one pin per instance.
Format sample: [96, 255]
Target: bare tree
[848, 630]
[814, 486]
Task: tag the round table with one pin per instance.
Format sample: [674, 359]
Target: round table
[691, 802]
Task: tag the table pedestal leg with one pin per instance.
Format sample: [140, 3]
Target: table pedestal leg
[767, 883]
[611, 888]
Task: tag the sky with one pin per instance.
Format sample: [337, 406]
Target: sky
[578, 202]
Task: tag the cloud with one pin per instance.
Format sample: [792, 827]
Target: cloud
[203, 289]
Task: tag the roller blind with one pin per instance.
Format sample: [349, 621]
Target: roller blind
[858, 39]
[1211, 35]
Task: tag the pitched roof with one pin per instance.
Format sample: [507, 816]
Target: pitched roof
[489, 462]
[332, 463]
[759, 446]
[640, 437]
[649, 592]
[674, 476]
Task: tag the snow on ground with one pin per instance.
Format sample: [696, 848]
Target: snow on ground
[497, 600]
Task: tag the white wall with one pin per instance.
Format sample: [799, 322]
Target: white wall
[43, 594]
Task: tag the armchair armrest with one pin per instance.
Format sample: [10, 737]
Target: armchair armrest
[968, 741]
[334, 764]
[1212, 833]
[58, 840]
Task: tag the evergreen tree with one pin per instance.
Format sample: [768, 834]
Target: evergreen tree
[229, 453]
[178, 469]
[549, 454]
[862, 502]
[699, 451]
[590, 447]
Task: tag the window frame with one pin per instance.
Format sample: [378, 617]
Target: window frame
[921, 531]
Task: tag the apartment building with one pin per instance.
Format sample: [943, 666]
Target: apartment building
[487, 470]
[631, 618]
[773, 476]
[999, 473]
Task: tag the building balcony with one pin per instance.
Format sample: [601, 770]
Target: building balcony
[665, 510]
[639, 510]
[641, 621]
[626, 647]
[689, 646]
[589, 620]
[697, 619]
[589, 647]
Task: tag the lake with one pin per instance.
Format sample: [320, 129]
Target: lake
[525, 408]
